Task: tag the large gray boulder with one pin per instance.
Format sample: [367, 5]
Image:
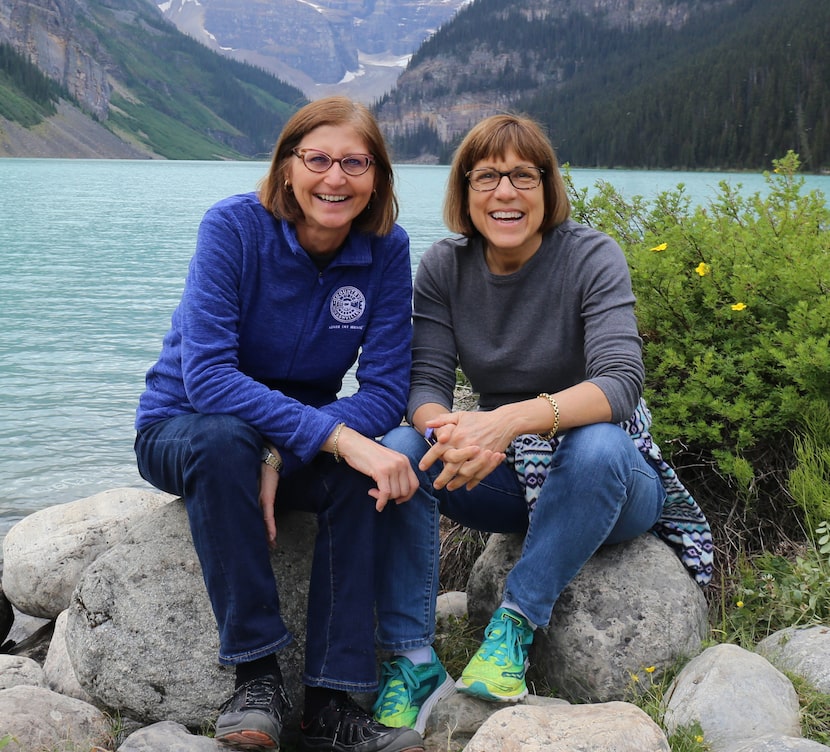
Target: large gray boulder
[57, 667]
[633, 606]
[170, 737]
[616, 726]
[736, 696]
[17, 669]
[801, 650]
[140, 631]
[45, 554]
[38, 719]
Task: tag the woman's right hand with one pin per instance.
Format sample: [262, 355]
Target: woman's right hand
[469, 444]
[396, 480]
[269, 478]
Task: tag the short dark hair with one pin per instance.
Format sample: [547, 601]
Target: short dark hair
[382, 212]
[493, 137]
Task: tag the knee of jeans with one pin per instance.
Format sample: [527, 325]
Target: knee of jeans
[407, 441]
[598, 445]
[222, 441]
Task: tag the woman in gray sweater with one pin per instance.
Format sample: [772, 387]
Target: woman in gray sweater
[538, 312]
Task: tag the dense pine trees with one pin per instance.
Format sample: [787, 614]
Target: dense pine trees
[26, 94]
[737, 86]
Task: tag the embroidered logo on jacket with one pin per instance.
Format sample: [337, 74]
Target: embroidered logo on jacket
[347, 304]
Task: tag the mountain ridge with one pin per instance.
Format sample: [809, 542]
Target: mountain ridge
[691, 84]
[624, 107]
[352, 47]
[137, 76]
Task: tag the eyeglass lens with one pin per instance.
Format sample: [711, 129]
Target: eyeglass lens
[523, 178]
[319, 161]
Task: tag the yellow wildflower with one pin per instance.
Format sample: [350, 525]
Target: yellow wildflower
[738, 306]
[703, 269]
[650, 669]
[740, 604]
[699, 739]
[661, 247]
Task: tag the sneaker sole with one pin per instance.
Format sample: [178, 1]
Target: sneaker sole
[444, 691]
[410, 742]
[248, 740]
[479, 690]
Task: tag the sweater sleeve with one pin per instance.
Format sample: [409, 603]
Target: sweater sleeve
[209, 313]
[612, 345]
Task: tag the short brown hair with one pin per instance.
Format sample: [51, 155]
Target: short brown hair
[492, 138]
[382, 212]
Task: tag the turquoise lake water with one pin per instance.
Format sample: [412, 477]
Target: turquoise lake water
[93, 255]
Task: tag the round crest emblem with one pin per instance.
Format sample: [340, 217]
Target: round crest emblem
[347, 304]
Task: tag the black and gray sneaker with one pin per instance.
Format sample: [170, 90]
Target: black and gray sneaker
[252, 718]
[346, 727]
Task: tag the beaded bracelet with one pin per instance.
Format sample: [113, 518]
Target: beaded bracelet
[550, 434]
[336, 451]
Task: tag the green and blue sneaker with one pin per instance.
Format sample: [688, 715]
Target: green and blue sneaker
[408, 693]
[497, 670]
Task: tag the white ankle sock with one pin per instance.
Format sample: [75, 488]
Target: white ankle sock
[418, 655]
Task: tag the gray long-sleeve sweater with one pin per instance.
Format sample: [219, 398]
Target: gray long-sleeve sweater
[566, 316]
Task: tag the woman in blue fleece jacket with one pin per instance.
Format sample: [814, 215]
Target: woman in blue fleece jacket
[288, 287]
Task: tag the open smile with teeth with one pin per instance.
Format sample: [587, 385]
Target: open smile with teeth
[331, 198]
[506, 215]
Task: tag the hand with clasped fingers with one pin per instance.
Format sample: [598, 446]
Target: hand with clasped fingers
[469, 444]
[473, 444]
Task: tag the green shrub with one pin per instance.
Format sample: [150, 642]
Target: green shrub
[809, 482]
[733, 300]
[733, 304]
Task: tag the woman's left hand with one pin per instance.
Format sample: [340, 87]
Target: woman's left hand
[469, 444]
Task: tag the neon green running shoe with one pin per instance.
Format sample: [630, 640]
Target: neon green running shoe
[408, 693]
[497, 671]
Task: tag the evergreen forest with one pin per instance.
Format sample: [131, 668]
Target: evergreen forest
[734, 88]
[26, 94]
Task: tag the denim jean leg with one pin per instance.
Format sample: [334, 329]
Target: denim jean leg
[599, 490]
[407, 560]
[340, 649]
[409, 541]
[213, 461]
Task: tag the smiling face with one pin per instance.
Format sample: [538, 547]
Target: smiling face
[509, 219]
[330, 200]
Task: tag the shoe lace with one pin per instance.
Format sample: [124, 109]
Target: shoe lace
[259, 694]
[503, 642]
[399, 679]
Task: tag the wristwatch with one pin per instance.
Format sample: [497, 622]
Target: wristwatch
[269, 458]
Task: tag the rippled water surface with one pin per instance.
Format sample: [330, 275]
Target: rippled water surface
[93, 255]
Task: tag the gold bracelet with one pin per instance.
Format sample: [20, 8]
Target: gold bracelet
[550, 434]
[336, 451]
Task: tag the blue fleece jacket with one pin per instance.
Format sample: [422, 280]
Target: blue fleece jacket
[263, 334]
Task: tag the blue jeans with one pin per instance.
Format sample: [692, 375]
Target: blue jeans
[213, 461]
[600, 490]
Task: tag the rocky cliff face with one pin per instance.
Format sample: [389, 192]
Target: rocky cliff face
[451, 86]
[357, 47]
[48, 32]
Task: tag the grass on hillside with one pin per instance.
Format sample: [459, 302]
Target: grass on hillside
[19, 109]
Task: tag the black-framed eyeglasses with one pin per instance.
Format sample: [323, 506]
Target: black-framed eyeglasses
[521, 178]
[319, 161]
